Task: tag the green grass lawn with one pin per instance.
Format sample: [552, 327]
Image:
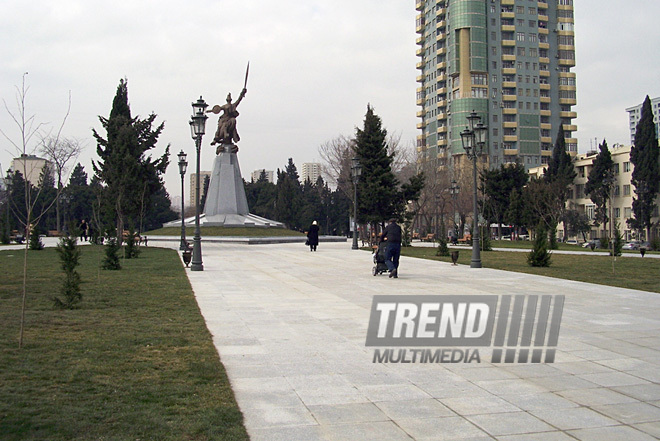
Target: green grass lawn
[634, 273]
[225, 231]
[136, 361]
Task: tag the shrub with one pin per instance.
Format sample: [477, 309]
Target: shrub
[131, 250]
[69, 253]
[655, 244]
[485, 239]
[443, 249]
[540, 256]
[111, 261]
[35, 241]
[618, 241]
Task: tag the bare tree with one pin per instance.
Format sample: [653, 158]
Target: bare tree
[28, 129]
[60, 151]
[336, 168]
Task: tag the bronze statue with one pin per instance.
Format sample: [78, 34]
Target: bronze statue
[227, 133]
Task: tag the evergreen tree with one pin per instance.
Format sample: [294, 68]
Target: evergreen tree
[288, 201]
[599, 184]
[111, 260]
[292, 171]
[130, 175]
[560, 175]
[70, 256]
[644, 156]
[498, 186]
[378, 193]
[540, 256]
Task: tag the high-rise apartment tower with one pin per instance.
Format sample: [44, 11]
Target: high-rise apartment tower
[508, 60]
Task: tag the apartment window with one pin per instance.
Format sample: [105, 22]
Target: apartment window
[532, 24]
[520, 91]
[532, 11]
[626, 167]
[495, 146]
[617, 190]
[533, 53]
[520, 36]
[532, 38]
[493, 50]
[529, 106]
[495, 118]
[520, 22]
[626, 190]
[521, 51]
[528, 92]
[519, 65]
[496, 132]
[520, 9]
[494, 64]
[492, 9]
[527, 79]
[493, 36]
[627, 212]
[493, 78]
[493, 92]
[480, 79]
[520, 105]
[617, 213]
[616, 169]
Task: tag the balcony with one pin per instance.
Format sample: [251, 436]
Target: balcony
[420, 65]
[543, 18]
[442, 129]
[509, 98]
[510, 138]
[420, 102]
[421, 113]
[547, 139]
[420, 41]
[511, 111]
[421, 125]
[509, 70]
[544, 60]
[508, 2]
[509, 84]
[545, 86]
[506, 57]
[543, 31]
[570, 128]
[508, 15]
[546, 126]
[441, 11]
[542, 5]
[545, 113]
[544, 73]
[419, 5]
[420, 78]
[420, 29]
[442, 24]
[544, 45]
[441, 51]
[508, 43]
[544, 99]
[508, 28]
[511, 152]
[566, 62]
[546, 152]
[510, 125]
[568, 114]
[568, 101]
[442, 142]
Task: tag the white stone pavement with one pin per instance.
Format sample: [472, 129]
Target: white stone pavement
[290, 328]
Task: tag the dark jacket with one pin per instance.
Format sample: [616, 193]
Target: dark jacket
[392, 232]
[313, 235]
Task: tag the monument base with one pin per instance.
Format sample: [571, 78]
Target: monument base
[228, 220]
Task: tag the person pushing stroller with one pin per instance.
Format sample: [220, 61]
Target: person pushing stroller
[392, 234]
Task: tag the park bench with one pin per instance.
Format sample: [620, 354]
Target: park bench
[465, 239]
[429, 238]
[16, 237]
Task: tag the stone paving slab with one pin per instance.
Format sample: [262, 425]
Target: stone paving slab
[290, 328]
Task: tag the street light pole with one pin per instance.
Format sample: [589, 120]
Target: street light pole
[356, 171]
[183, 165]
[473, 139]
[197, 126]
[453, 190]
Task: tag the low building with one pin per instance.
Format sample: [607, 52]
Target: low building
[31, 166]
[622, 194]
[270, 175]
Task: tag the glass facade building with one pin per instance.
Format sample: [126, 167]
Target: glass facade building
[508, 60]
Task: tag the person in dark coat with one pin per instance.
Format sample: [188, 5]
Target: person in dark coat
[313, 236]
[392, 234]
[84, 230]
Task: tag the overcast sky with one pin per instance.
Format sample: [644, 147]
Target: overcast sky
[314, 67]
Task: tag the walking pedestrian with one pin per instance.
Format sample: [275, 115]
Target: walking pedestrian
[313, 236]
[83, 230]
[392, 234]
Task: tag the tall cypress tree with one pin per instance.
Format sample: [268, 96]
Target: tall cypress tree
[131, 176]
[598, 186]
[646, 173]
[559, 176]
[378, 194]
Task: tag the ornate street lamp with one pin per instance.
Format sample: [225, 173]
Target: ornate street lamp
[197, 126]
[183, 165]
[356, 171]
[474, 139]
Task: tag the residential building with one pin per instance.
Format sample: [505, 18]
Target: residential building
[622, 194]
[270, 175]
[635, 114]
[193, 188]
[31, 166]
[311, 171]
[509, 61]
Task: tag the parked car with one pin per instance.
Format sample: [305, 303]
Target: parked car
[572, 242]
[596, 243]
[634, 245]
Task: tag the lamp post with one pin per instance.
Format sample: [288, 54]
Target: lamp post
[183, 165]
[356, 171]
[473, 139]
[197, 125]
[453, 191]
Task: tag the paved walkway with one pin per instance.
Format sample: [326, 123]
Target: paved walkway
[290, 327]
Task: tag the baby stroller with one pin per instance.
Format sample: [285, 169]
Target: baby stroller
[379, 259]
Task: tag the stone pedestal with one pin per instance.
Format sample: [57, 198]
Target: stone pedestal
[226, 193]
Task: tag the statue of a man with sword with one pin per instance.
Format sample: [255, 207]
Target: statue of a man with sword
[227, 133]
